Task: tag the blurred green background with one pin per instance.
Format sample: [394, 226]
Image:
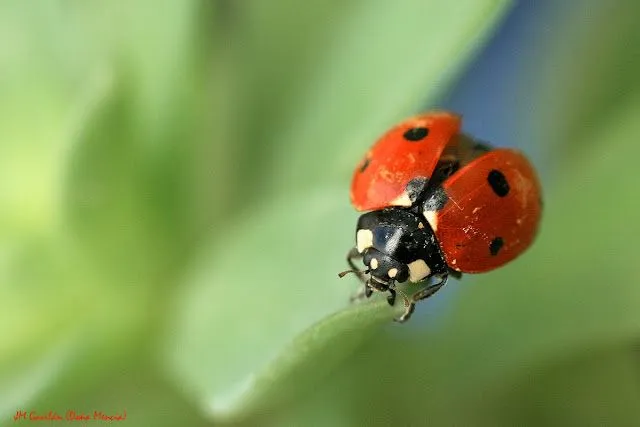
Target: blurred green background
[174, 209]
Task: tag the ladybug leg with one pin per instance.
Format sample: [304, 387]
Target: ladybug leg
[420, 295]
[391, 298]
[455, 274]
[407, 313]
[430, 290]
[365, 291]
[382, 287]
[352, 255]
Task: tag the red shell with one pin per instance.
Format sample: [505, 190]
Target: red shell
[480, 227]
[382, 176]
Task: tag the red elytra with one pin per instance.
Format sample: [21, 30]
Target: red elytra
[482, 206]
[381, 178]
[494, 202]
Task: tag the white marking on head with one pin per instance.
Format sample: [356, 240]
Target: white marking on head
[476, 209]
[420, 225]
[393, 272]
[364, 240]
[432, 219]
[374, 263]
[418, 270]
[454, 262]
[402, 200]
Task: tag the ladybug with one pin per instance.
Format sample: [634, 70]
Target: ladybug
[438, 203]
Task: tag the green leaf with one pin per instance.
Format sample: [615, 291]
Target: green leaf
[260, 319]
[253, 315]
[321, 346]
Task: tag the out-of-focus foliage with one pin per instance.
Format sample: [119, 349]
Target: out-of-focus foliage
[173, 211]
[593, 73]
[104, 121]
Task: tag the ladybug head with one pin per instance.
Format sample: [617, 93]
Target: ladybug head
[383, 268]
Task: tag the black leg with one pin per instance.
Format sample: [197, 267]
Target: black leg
[365, 291]
[352, 255]
[391, 298]
[420, 295]
[455, 274]
[358, 295]
[429, 290]
[407, 313]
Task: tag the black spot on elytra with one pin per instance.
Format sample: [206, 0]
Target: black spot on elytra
[495, 246]
[415, 188]
[365, 164]
[416, 134]
[498, 183]
[436, 200]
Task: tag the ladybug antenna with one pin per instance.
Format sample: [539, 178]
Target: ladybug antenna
[344, 273]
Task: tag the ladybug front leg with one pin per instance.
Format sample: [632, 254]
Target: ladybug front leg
[353, 255]
[390, 287]
[391, 298]
[420, 295]
[365, 290]
[372, 285]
